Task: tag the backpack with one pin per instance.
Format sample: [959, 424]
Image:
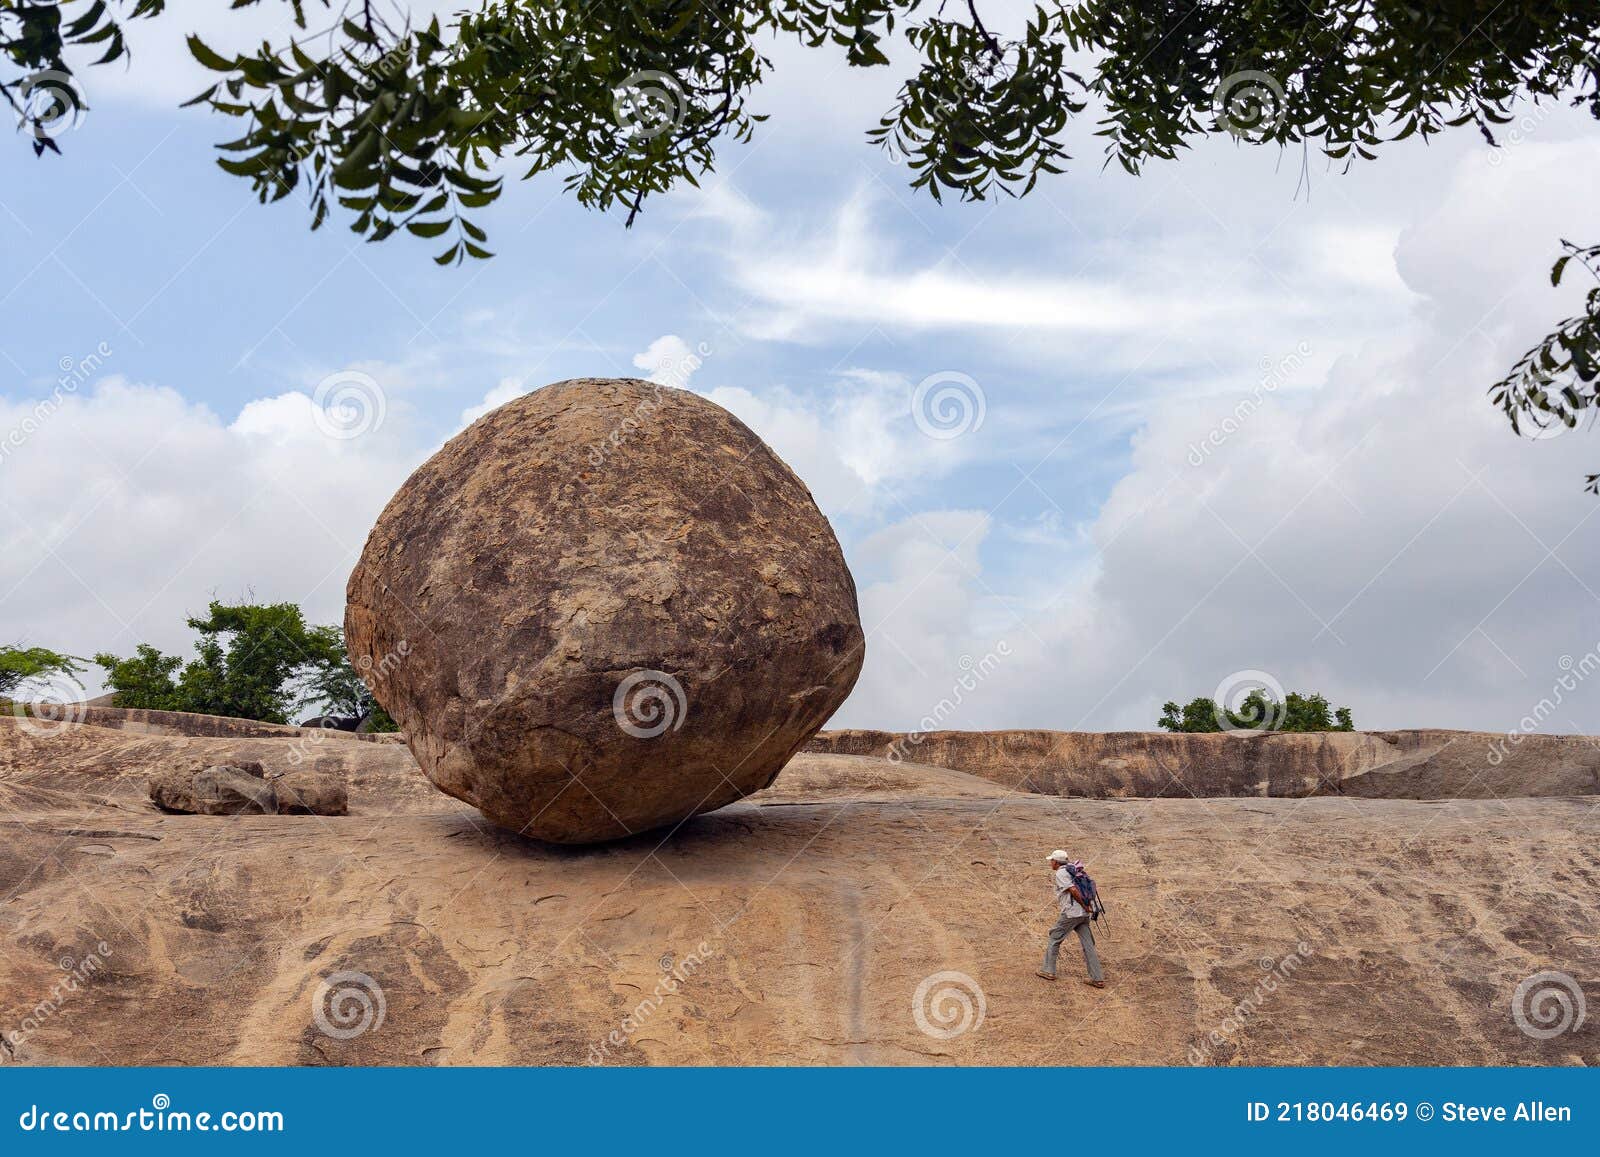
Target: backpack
[1086, 889]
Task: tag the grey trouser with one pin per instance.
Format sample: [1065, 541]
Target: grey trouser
[1085, 934]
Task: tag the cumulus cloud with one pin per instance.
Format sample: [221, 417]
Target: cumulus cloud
[126, 507]
[852, 437]
[1382, 537]
[502, 393]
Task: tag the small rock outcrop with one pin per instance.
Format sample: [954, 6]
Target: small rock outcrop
[221, 789]
[311, 791]
[602, 608]
[244, 789]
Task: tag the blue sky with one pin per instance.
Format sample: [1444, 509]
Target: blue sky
[1359, 522]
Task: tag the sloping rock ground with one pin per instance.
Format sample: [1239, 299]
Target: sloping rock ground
[803, 920]
[1419, 764]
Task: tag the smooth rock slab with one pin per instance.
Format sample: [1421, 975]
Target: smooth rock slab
[602, 608]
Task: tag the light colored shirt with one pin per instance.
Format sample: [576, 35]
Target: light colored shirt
[1063, 881]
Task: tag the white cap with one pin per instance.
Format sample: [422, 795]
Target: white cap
[1058, 856]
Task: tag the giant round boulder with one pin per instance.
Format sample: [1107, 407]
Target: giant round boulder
[604, 607]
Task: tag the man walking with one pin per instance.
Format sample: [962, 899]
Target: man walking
[1073, 916]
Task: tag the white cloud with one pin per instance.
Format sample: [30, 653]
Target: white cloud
[852, 439]
[1128, 290]
[502, 393]
[1383, 538]
[128, 507]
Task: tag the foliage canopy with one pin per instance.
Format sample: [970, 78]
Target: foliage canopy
[255, 661]
[1259, 711]
[20, 666]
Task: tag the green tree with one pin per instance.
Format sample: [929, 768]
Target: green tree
[22, 665]
[338, 689]
[1197, 715]
[404, 128]
[251, 659]
[1259, 710]
[144, 680]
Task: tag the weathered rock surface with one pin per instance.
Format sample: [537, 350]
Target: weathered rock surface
[222, 789]
[311, 791]
[602, 608]
[823, 905]
[243, 788]
[1415, 764]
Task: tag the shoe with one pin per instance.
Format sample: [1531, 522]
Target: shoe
[1046, 975]
[1093, 983]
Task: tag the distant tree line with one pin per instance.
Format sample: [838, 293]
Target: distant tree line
[253, 661]
[1259, 711]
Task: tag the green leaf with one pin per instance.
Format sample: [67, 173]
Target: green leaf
[212, 60]
[428, 228]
